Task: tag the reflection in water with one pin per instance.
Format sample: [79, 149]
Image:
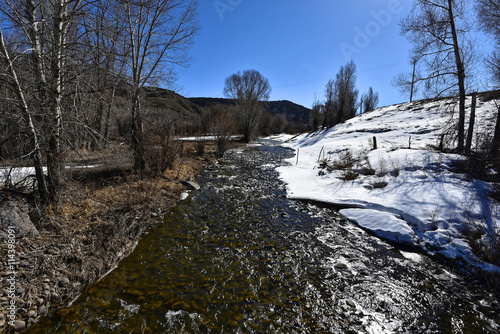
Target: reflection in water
[239, 257]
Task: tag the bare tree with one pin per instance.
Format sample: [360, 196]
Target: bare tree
[248, 90]
[345, 85]
[223, 124]
[370, 100]
[437, 30]
[315, 115]
[102, 56]
[158, 35]
[331, 104]
[27, 117]
[341, 96]
[489, 17]
[48, 34]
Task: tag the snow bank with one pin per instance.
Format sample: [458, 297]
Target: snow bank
[383, 224]
[409, 193]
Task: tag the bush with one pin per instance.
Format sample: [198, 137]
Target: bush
[483, 238]
[160, 152]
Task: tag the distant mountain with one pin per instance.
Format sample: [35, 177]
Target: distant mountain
[159, 97]
[292, 111]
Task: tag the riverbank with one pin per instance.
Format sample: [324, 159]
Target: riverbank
[97, 224]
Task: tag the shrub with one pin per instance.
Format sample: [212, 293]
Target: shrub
[344, 161]
[483, 236]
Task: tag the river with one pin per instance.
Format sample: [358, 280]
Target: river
[237, 256]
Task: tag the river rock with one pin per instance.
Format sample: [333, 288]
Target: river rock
[192, 185]
[19, 325]
[341, 266]
[15, 214]
[42, 310]
[64, 282]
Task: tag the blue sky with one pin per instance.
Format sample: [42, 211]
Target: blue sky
[298, 45]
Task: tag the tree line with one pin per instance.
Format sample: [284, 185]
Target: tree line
[342, 100]
[64, 62]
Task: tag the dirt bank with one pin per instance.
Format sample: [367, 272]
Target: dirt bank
[96, 225]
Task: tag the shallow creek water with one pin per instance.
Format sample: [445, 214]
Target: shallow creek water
[238, 257]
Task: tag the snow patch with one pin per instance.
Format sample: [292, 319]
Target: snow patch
[383, 224]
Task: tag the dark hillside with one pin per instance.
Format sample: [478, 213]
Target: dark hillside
[293, 111]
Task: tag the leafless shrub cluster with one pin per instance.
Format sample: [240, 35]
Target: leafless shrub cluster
[344, 162]
[223, 125]
[482, 231]
[161, 146]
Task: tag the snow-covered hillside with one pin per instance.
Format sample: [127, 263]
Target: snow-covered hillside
[404, 190]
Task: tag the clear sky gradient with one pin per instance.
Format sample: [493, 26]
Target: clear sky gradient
[298, 45]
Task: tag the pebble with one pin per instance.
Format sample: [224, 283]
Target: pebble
[19, 325]
[42, 310]
[64, 282]
[341, 266]
[364, 273]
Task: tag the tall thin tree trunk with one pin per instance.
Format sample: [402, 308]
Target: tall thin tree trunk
[107, 122]
[413, 80]
[137, 133]
[461, 80]
[37, 153]
[55, 164]
[470, 133]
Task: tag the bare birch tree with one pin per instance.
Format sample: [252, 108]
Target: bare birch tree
[437, 29]
[158, 35]
[27, 116]
[248, 89]
[46, 28]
